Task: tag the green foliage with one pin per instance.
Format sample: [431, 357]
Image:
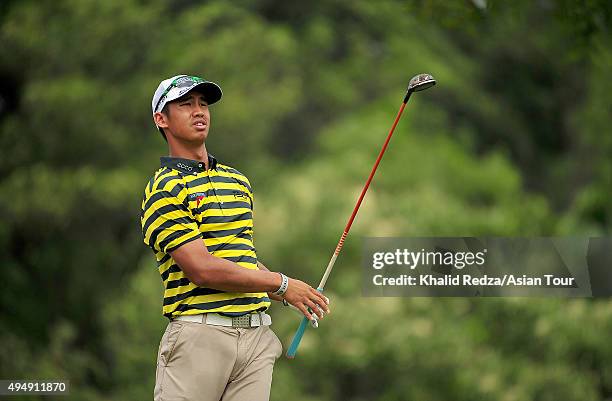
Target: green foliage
[435, 349]
[514, 141]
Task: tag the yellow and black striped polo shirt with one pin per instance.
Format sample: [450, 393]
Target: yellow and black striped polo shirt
[185, 202]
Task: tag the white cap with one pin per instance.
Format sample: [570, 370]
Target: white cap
[172, 88]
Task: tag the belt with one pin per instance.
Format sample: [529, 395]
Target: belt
[245, 321]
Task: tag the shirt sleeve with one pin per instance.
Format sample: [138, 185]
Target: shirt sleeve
[249, 191]
[167, 223]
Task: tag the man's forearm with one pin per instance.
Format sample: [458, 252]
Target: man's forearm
[206, 270]
[221, 274]
[270, 294]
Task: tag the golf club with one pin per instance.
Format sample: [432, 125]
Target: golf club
[416, 84]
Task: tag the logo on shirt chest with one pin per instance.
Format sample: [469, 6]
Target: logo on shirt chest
[240, 194]
[198, 196]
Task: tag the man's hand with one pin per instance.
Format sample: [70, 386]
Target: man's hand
[303, 297]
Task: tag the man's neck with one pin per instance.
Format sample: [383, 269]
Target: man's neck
[199, 153]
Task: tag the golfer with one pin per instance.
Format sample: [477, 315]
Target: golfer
[197, 218]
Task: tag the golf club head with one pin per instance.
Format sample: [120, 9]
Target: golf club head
[421, 82]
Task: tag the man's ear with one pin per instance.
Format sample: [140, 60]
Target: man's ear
[160, 119]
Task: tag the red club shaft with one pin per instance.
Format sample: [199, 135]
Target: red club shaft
[363, 192]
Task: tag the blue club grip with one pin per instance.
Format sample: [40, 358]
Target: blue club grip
[299, 333]
[297, 337]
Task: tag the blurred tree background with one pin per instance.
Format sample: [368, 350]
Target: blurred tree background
[514, 141]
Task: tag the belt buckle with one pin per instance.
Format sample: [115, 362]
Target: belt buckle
[243, 321]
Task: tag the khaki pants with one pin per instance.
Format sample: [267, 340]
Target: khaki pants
[201, 362]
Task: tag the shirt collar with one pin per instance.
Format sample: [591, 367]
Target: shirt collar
[188, 165]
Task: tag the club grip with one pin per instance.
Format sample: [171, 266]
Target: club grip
[299, 333]
[297, 338]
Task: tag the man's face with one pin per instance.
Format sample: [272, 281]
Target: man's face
[187, 118]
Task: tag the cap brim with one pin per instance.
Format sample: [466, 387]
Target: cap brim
[211, 91]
